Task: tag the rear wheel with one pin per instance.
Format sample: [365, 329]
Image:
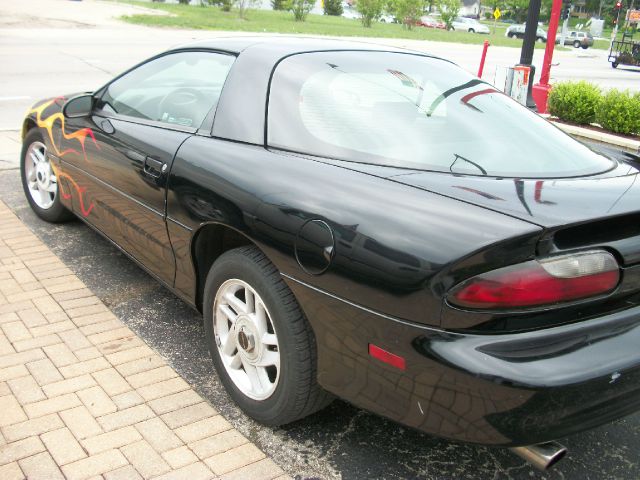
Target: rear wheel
[39, 180]
[261, 344]
[584, 47]
[614, 64]
[471, 30]
[512, 35]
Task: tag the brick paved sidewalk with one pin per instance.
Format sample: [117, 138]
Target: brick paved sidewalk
[81, 396]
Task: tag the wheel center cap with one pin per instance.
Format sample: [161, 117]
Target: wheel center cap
[246, 340]
[42, 174]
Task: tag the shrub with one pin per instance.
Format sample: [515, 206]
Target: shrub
[370, 10]
[333, 7]
[449, 10]
[300, 8]
[406, 11]
[619, 112]
[574, 101]
[278, 4]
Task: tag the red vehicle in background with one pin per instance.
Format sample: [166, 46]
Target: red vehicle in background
[430, 22]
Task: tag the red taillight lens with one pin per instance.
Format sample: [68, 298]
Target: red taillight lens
[540, 282]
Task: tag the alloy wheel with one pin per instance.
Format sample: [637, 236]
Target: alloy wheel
[41, 180]
[246, 339]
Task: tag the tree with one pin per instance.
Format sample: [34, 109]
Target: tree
[300, 8]
[449, 10]
[518, 9]
[333, 7]
[406, 11]
[242, 6]
[278, 4]
[370, 10]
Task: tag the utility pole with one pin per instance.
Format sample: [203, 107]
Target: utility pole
[528, 44]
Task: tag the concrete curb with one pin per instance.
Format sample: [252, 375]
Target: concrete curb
[627, 144]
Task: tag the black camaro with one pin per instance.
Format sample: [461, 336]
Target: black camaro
[367, 222]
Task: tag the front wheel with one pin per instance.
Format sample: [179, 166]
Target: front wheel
[39, 180]
[614, 64]
[576, 44]
[261, 344]
[471, 30]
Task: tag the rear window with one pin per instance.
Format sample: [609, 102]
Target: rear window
[415, 112]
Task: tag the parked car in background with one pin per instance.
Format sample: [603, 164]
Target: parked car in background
[579, 39]
[350, 12]
[517, 31]
[384, 18]
[470, 25]
[430, 22]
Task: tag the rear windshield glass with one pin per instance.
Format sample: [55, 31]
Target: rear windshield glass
[414, 112]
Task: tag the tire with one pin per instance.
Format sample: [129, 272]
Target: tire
[614, 64]
[291, 391]
[471, 30]
[584, 47]
[47, 207]
[512, 35]
[576, 44]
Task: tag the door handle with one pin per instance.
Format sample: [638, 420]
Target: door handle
[154, 168]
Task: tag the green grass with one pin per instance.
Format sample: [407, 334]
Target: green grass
[268, 21]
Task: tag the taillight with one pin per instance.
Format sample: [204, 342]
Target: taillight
[540, 282]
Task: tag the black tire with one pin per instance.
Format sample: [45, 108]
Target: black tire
[584, 47]
[471, 30]
[512, 35]
[297, 393]
[614, 64]
[576, 44]
[57, 212]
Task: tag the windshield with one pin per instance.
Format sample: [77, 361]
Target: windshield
[414, 112]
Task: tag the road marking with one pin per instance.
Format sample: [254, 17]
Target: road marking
[18, 97]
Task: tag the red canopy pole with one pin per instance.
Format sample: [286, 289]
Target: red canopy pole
[541, 90]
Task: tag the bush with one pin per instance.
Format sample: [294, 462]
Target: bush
[333, 7]
[300, 8]
[406, 11]
[278, 4]
[619, 112]
[574, 102]
[370, 10]
[449, 10]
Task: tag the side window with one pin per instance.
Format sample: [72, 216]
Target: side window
[178, 89]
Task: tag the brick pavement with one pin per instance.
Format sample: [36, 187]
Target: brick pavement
[81, 396]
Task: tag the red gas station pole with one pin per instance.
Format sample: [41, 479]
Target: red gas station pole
[541, 90]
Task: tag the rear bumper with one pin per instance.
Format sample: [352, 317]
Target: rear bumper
[507, 390]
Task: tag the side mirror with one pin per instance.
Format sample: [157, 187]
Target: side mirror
[79, 106]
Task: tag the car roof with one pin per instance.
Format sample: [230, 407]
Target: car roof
[284, 44]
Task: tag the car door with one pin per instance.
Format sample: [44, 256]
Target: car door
[137, 125]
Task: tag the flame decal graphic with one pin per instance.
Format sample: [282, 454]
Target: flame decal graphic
[80, 135]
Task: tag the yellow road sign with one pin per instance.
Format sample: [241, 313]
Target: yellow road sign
[496, 13]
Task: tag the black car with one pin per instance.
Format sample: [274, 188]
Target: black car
[366, 222]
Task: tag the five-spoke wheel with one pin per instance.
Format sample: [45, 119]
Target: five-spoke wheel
[42, 183]
[246, 339]
[39, 180]
[261, 344]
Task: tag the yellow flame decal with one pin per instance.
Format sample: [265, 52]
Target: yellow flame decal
[80, 135]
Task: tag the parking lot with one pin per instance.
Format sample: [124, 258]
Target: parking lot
[51, 56]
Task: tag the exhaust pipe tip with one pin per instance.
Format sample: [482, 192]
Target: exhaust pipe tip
[542, 456]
